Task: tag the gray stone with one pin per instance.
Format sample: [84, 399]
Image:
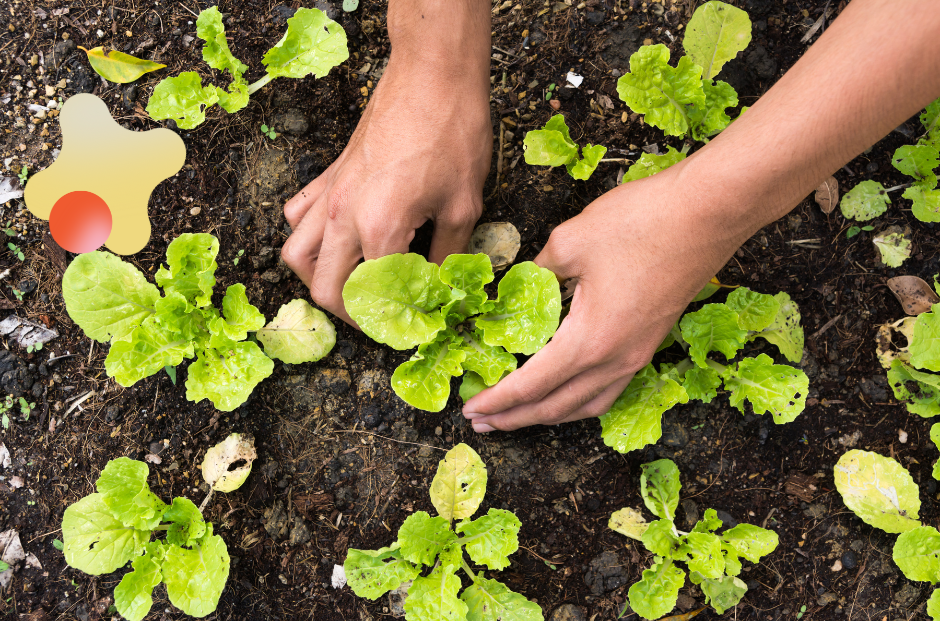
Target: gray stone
[264, 259]
[299, 533]
[271, 276]
[849, 559]
[907, 595]
[726, 519]
[605, 573]
[594, 18]
[280, 14]
[292, 122]
[827, 598]
[275, 520]
[567, 612]
[61, 51]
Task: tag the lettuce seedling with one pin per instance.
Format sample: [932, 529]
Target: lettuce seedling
[404, 301]
[104, 531]
[634, 420]
[313, 44]
[552, 146]
[869, 199]
[426, 543]
[713, 560]
[111, 300]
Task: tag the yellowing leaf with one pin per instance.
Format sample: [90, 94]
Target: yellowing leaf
[217, 465]
[879, 490]
[460, 483]
[117, 66]
[629, 522]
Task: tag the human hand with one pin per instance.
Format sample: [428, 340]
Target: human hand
[639, 257]
[420, 152]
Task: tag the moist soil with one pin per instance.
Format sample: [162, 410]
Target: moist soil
[342, 461]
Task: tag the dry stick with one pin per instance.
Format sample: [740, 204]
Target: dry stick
[79, 401]
[206, 501]
[499, 160]
[828, 325]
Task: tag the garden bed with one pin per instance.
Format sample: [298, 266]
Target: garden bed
[342, 461]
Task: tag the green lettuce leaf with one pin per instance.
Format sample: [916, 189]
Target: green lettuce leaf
[313, 44]
[917, 553]
[424, 381]
[240, 316]
[191, 271]
[661, 92]
[918, 161]
[715, 35]
[490, 362]
[656, 594]
[709, 522]
[710, 118]
[396, 300]
[917, 390]
[132, 597]
[933, 604]
[550, 146]
[459, 485]
[105, 296]
[467, 272]
[714, 327]
[865, 201]
[235, 98]
[435, 597]
[894, 247]
[591, 156]
[178, 318]
[935, 438]
[650, 164]
[660, 539]
[149, 349]
[226, 376]
[659, 486]
[930, 119]
[751, 542]
[471, 386]
[490, 600]
[94, 541]
[299, 333]
[924, 346]
[629, 522]
[422, 537]
[186, 522]
[777, 388]
[182, 98]
[879, 490]
[635, 418]
[373, 573]
[124, 490]
[706, 556]
[701, 383]
[490, 539]
[785, 332]
[195, 578]
[732, 562]
[723, 594]
[926, 207]
[215, 52]
[526, 312]
[756, 311]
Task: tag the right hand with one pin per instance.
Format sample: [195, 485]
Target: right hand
[420, 152]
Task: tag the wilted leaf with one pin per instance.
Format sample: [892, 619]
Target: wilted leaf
[894, 246]
[26, 332]
[217, 465]
[879, 490]
[497, 240]
[827, 195]
[117, 66]
[629, 522]
[11, 553]
[914, 294]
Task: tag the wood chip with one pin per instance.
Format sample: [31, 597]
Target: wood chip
[802, 486]
[827, 195]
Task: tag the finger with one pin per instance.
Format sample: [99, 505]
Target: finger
[602, 403]
[382, 237]
[297, 208]
[560, 254]
[452, 231]
[338, 258]
[548, 369]
[584, 394]
[302, 248]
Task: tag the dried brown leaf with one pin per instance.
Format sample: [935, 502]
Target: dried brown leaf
[827, 195]
[914, 294]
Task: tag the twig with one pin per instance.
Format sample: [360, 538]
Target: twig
[206, 501]
[80, 401]
[828, 325]
[616, 159]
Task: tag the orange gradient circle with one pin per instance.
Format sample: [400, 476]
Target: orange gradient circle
[80, 221]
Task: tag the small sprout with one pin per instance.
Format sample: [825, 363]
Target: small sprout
[855, 230]
[15, 249]
[267, 131]
[57, 544]
[33, 348]
[548, 93]
[17, 293]
[23, 175]
[799, 615]
[238, 258]
[3, 566]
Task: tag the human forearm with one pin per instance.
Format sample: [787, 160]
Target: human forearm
[878, 64]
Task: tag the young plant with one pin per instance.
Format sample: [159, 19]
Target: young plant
[267, 131]
[238, 257]
[104, 531]
[426, 543]
[313, 44]
[16, 251]
[883, 494]
[33, 348]
[855, 230]
[869, 199]
[909, 366]
[23, 175]
[634, 421]
[404, 301]
[713, 560]
[686, 100]
[552, 146]
[111, 300]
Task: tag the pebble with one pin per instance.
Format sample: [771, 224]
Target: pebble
[567, 612]
[849, 559]
[195, 211]
[902, 436]
[50, 91]
[837, 566]
[555, 104]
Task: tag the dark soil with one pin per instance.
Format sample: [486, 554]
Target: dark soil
[341, 460]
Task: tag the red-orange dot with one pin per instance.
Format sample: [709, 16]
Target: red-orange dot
[80, 221]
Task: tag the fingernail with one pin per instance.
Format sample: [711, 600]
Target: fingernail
[483, 428]
[471, 415]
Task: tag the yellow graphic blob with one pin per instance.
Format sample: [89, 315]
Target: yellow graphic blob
[102, 160]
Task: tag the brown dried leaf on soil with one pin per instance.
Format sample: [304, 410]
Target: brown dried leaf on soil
[499, 241]
[802, 486]
[827, 195]
[914, 294]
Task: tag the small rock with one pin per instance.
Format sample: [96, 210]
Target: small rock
[907, 595]
[17, 482]
[264, 259]
[594, 18]
[243, 218]
[849, 559]
[271, 276]
[61, 51]
[292, 122]
[299, 533]
[331, 11]
[605, 573]
[307, 169]
[27, 286]
[902, 436]
[726, 519]
[280, 14]
[336, 381]
[837, 566]
[112, 414]
[195, 211]
[555, 104]
[275, 520]
[827, 598]
[567, 612]
[849, 440]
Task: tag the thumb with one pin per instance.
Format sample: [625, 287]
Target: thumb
[562, 254]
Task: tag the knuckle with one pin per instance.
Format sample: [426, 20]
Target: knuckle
[328, 299]
[553, 415]
[336, 203]
[525, 392]
[291, 253]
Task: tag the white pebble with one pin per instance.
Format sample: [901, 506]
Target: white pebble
[837, 566]
[902, 436]
[195, 211]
